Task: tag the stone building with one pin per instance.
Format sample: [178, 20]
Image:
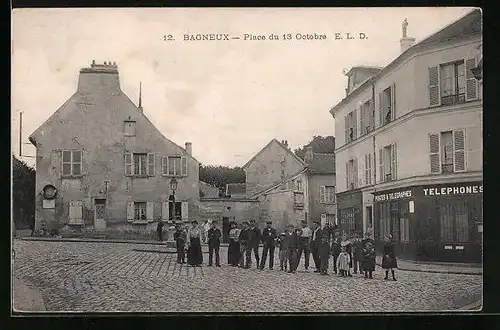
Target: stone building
[410, 156]
[102, 164]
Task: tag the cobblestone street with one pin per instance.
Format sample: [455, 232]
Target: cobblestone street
[81, 276]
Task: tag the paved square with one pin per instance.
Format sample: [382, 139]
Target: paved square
[98, 277]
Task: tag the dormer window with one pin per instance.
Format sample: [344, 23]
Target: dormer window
[129, 128]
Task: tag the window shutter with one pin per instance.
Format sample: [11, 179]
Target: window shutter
[322, 194]
[434, 153]
[165, 211]
[164, 165]
[362, 120]
[394, 162]
[130, 211]
[72, 211]
[393, 102]
[380, 109]
[167, 161]
[366, 168]
[184, 211]
[434, 98]
[347, 175]
[381, 164]
[149, 211]
[151, 164]
[471, 82]
[184, 166]
[355, 172]
[355, 124]
[346, 130]
[128, 164]
[459, 150]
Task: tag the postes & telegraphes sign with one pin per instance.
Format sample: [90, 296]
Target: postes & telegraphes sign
[390, 196]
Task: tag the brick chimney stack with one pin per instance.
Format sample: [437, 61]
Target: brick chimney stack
[189, 148]
[99, 78]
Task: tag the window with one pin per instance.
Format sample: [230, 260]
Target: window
[351, 126]
[405, 229]
[348, 220]
[174, 166]
[352, 174]
[368, 168]
[385, 220]
[387, 105]
[327, 194]
[452, 84]
[447, 151]
[140, 209]
[71, 163]
[129, 128]
[388, 163]
[178, 210]
[331, 219]
[139, 164]
[298, 199]
[454, 222]
[298, 185]
[366, 118]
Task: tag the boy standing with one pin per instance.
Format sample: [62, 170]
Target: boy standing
[214, 235]
[283, 242]
[180, 237]
[243, 238]
[254, 237]
[357, 251]
[293, 245]
[269, 236]
[324, 255]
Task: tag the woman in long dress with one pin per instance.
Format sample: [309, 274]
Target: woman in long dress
[195, 236]
[233, 253]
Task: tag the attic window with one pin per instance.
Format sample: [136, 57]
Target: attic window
[129, 129]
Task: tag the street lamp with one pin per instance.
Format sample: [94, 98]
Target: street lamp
[173, 187]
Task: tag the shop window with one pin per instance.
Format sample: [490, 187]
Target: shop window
[404, 229]
[348, 221]
[454, 222]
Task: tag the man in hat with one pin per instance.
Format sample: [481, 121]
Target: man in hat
[254, 236]
[180, 238]
[304, 244]
[214, 235]
[269, 236]
[316, 234]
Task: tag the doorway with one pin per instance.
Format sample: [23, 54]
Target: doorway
[99, 214]
[369, 218]
[225, 229]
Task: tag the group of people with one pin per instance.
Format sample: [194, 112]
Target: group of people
[350, 254]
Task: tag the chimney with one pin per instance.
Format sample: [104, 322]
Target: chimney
[309, 155]
[406, 42]
[189, 148]
[285, 143]
[99, 78]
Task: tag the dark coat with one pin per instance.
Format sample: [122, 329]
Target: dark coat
[357, 250]
[269, 236]
[244, 236]
[283, 242]
[180, 236]
[321, 232]
[293, 240]
[368, 262]
[254, 237]
[389, 256]
[323, 250]
[336, 246]
[214, 235]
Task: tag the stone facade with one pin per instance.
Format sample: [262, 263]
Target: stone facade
[100, 123]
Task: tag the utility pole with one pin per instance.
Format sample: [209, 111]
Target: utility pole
[20, 133]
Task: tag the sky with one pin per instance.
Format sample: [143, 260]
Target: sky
[229, 98]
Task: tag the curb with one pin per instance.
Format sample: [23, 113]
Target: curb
[436, 271]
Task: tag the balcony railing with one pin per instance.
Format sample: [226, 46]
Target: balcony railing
[453, 99]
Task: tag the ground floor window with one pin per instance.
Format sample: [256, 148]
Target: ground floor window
[140, 210]
[394, 220]
[348, 223]
[331, 219]
[454, 222]
[177, 208]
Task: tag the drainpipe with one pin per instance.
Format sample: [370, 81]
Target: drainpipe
[374, 161]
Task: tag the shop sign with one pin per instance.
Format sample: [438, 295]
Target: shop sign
[393, 196]
[457, 190]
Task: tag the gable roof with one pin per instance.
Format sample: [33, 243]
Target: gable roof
[278, 183]
[280, 145]
[469, 24]
[236, 188]
[322, 163]
[84, 96]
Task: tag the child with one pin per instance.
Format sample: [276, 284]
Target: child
[343, 262]
[368, 264]
[283, 246]
[389, 261]
[293, 246]
[348, 248]
[335, 250]
[324, 255]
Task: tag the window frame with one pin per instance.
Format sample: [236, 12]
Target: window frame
[330, 197]
[145, 170]
[134, 127]
[456, 97]
[71, 163]
[136, 208]
[183, 166]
